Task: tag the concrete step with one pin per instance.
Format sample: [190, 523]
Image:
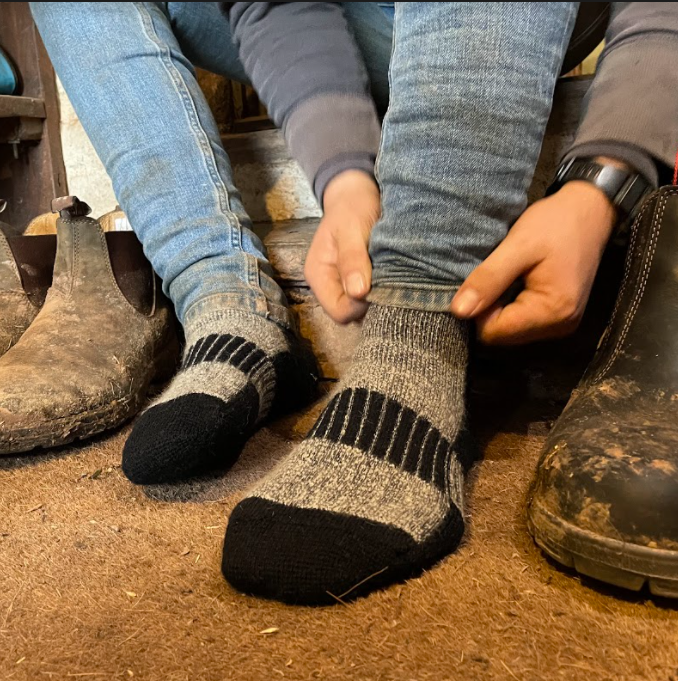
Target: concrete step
[272, 185]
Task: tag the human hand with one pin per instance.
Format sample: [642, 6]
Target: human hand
[555, 247]
[338, 267]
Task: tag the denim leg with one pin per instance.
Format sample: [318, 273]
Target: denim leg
[138, 99]
[372, 29]
[204, 34]
[471, 91]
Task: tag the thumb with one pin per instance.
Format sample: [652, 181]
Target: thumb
[353, 263]
[484, 286]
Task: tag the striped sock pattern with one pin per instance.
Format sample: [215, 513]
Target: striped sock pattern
[383, 428]
[376, 488]
[234, 350]
[234, 368]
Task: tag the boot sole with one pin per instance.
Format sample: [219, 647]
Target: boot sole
[629, 566]
[87, 424]
[69, 429]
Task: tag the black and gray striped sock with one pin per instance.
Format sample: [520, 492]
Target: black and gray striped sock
[374, 494]
[236, 368]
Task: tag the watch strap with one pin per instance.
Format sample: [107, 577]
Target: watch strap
[624, 188]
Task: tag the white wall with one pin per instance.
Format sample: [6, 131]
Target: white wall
[85, 174]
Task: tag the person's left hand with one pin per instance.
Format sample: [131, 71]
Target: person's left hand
[338, 267]
[555, 247]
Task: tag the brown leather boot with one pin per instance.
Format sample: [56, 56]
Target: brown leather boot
[26, 265]
[104, 333]
[605, 497]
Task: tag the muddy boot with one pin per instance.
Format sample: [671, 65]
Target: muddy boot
[605, 497]
[26, 265]
[103, 334]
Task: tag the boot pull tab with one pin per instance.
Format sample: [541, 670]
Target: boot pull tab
[70, 207]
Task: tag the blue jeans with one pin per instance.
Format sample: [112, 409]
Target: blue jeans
[471, 90]
[128, 69]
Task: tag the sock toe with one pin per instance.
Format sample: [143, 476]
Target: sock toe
[179, 438]
[308, 556]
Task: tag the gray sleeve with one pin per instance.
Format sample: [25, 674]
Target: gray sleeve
[308, 71]
[631, 109]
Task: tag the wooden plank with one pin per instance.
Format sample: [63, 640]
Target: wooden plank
[287, 244]
[265, 146]
[14, 130]
[253, 124]
[219, 95]
[25, 107]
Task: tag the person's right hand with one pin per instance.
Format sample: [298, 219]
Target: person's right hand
[338, 267]
[555, 248]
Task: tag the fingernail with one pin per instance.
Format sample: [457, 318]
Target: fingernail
[465, 302]
[355, 285]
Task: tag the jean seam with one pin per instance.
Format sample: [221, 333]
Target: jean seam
[200, 135]
[377, 162]
[411, 286]
[414, 298]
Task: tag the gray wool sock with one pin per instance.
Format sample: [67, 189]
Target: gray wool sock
[374, 492]
[235, 366]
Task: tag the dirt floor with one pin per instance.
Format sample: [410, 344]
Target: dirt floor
[103, 580]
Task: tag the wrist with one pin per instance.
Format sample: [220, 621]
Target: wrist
[349, 186]
[581, 188]
[595, 209]
[611, 180]
[615, 163]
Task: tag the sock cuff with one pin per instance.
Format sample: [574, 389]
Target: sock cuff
[439, 333]
[264, 333]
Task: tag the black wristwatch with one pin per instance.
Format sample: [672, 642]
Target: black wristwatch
[626, 189]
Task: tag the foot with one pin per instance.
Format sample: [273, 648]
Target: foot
[605, 497]
[374, 492]
[237, 367]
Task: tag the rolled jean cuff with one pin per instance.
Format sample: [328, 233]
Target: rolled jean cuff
[219, 302]
[436, 298]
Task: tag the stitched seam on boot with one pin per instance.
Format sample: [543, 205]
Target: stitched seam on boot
[109, 268]
[654, 240]
[625, 281]
[67, 290]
